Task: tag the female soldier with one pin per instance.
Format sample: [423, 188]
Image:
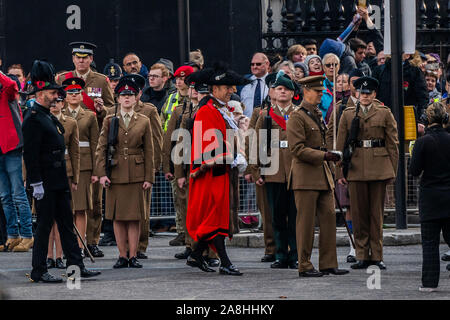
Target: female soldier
[72, 157]
[131, 176]
[88, 137]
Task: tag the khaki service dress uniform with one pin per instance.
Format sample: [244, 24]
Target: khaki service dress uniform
[312, 182]
[125, 198]
[88, 139]
[372, 166]
[72, 155]
[261, 199]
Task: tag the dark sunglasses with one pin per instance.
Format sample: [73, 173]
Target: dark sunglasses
[329, 65]
[258, 64]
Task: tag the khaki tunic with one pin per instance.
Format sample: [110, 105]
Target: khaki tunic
[311, 179]
[125, 199]
[88, 138]
[72, 155]
[370, 170]
[285, 157]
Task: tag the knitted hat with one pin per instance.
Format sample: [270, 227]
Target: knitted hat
[303, 66]
[332, 46]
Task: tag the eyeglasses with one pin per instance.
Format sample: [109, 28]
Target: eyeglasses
[155, 76]
[329, 65]
[132, 63]
[258, 64]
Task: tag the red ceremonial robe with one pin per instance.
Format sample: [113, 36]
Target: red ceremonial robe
[208, 213]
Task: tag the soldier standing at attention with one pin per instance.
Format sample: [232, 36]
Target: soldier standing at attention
[88, 139]
[131, 177]
[43, 154]
[72, 156]
[97, 96]
[312, 182]
[373, 164]
[280, 199]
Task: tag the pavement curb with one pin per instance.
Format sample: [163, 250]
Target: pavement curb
[248, 239]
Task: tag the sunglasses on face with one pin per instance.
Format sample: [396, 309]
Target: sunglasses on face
[258, 64]
[329, 65]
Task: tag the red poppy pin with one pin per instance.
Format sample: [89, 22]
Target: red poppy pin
[40, 84]
[405, 85]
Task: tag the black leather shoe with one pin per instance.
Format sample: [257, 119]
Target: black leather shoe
[134, 263]
[59, 264]
[379, 264]
[121, 263]
[448, 267]
[334, 271]
[107, 241]
[279, 265]
[268, 258]
[199, 263]
[361, 264]
[48, 278]
[445, 257]
[184, 255]
[95, 251]
[293, 265]
[232, 270]
[50, 263]
[85, 273]
[351, 259]
[313, 273]
[212, 262]
[141, 255]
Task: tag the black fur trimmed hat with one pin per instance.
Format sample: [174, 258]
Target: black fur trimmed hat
[43, 77]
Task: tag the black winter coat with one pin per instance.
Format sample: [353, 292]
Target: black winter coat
[414, 85]
[431, 156]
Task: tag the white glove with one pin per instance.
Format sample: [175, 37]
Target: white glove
[38, 191]
[240, 163]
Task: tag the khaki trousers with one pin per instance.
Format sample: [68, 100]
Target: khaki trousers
[310, 203]
[145, 223]
[264, 209]
[367, 203]
[94, 216]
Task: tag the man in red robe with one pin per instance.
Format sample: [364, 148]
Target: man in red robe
[212, 157]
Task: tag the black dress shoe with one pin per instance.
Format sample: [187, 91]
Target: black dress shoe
[50, 263]
[134, 263]
[121, 263]
[279, 265]
[48, 278]
[107, 241]
[232, 270]
[184, 255]
[268, 258]
[351, 259]
[445, 257]
[313, 273]
[379, 264]
[85, 273]
[293, 265]
[95, 251]
[448, 267]
[141, 255]
[361, 264]
[199, 263]
[59, 264]
[212, 262]
[334, 271]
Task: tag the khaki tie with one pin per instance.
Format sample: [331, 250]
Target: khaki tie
[74, 114]
[126, 119]
[365, 110]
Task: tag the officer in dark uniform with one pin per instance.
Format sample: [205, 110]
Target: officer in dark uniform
[43, 154]
[113, 72]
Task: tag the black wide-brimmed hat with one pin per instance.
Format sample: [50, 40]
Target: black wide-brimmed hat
[42, 76]
[218, 75]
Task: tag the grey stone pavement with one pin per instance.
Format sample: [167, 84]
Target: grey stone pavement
[166, 278]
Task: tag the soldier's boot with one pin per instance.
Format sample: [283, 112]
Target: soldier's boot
[24, 246]
[11, 243]
[178, 241]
